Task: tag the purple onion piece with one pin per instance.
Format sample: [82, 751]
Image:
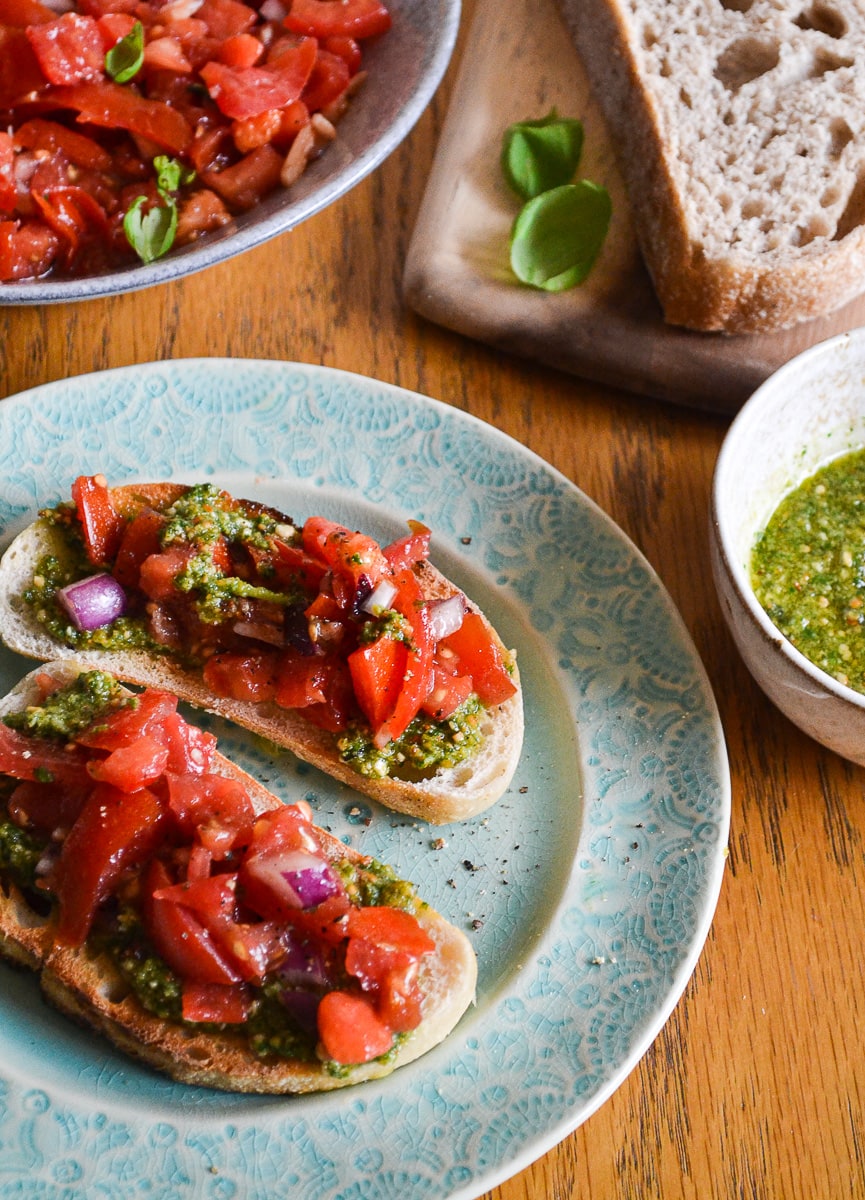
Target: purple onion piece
[296, 629]
[313, 881]
[446, 616]
[302, 1007]
[93, 602]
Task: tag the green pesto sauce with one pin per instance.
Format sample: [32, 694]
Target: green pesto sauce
[70, 709]
[53, 573]
[202, 515]
[808, 569]
[19, 854]
[426, 746]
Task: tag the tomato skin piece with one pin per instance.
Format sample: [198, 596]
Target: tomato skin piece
[350, 1030]
[190, 748]
[447, 692]
[216, 810]
[354, 558]
[113, 106]
[226, 18]
[25, 12]
[391, 928]
[347, 49]
[242, 92]
[101, 524]
[323, 18]
[479, 656]
[41, 134]
[20, 73]
[419, 666]
[113, 831]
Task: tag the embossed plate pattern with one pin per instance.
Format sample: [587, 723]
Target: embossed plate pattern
[587, 891]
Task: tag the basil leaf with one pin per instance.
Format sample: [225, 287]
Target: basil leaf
[543, 154]
[150, 233]
[558, 235]
[124, 60]
[171, 174]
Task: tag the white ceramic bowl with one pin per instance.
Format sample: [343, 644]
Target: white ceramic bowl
[404, 68]
[811, 410]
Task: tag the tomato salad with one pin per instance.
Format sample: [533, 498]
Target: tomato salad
[319, 619]
[129, 126]
[112, 817]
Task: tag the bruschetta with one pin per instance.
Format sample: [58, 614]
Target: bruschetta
[362, 659]
[213, 932]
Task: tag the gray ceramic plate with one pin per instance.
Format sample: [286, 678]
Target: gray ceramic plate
[405, 68]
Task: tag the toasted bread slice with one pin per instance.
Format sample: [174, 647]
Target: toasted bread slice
[86, 985]
[451, 794]
[735, 126]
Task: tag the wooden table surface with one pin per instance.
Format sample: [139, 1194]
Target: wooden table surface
[755, 1086]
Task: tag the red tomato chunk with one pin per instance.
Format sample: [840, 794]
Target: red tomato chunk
[95, 101]
[228, 899]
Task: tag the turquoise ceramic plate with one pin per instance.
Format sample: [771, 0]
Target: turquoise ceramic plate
[587, 891]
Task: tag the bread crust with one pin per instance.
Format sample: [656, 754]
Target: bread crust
[735, 287]
[451, 794]
[87, 987]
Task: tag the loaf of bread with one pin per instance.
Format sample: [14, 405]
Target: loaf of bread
[739, 127]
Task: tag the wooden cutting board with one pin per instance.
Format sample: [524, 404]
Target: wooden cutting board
[518, 62]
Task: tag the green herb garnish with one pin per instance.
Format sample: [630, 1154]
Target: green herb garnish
[124, 60]
[543, 154]
[558, 235]
[150, 228]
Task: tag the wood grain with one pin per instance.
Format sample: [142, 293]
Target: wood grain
[754, 1089]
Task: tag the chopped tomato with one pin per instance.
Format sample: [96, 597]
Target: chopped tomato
[247, 91]
[129, 768]
[216, 810]
[329, 79]
[25, 12]
[27, 250]
[241, 50]
[190, 748]
[144, 716]
[69, 49]
[157, 573]
[101, 524]
[46, 807]
[392, 930]
[479, 656]
[246, 182]
[350, 1030]
[216, 1003]
[378, 673]
[242, 676]
[179, 937]
[140, 539]
[356, 560]
[51, 763]
[226, 18]
[447, 692]
[323, 18]
[411, 549]
[418, 675]
[113, 831]
[347, 49]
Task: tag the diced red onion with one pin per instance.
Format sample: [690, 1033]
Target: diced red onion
[302, 967]
[302, 1007]
[310, 878]
[273, 10]
[93, 602]
[380, 597]
[446, 616]
[260, 631]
